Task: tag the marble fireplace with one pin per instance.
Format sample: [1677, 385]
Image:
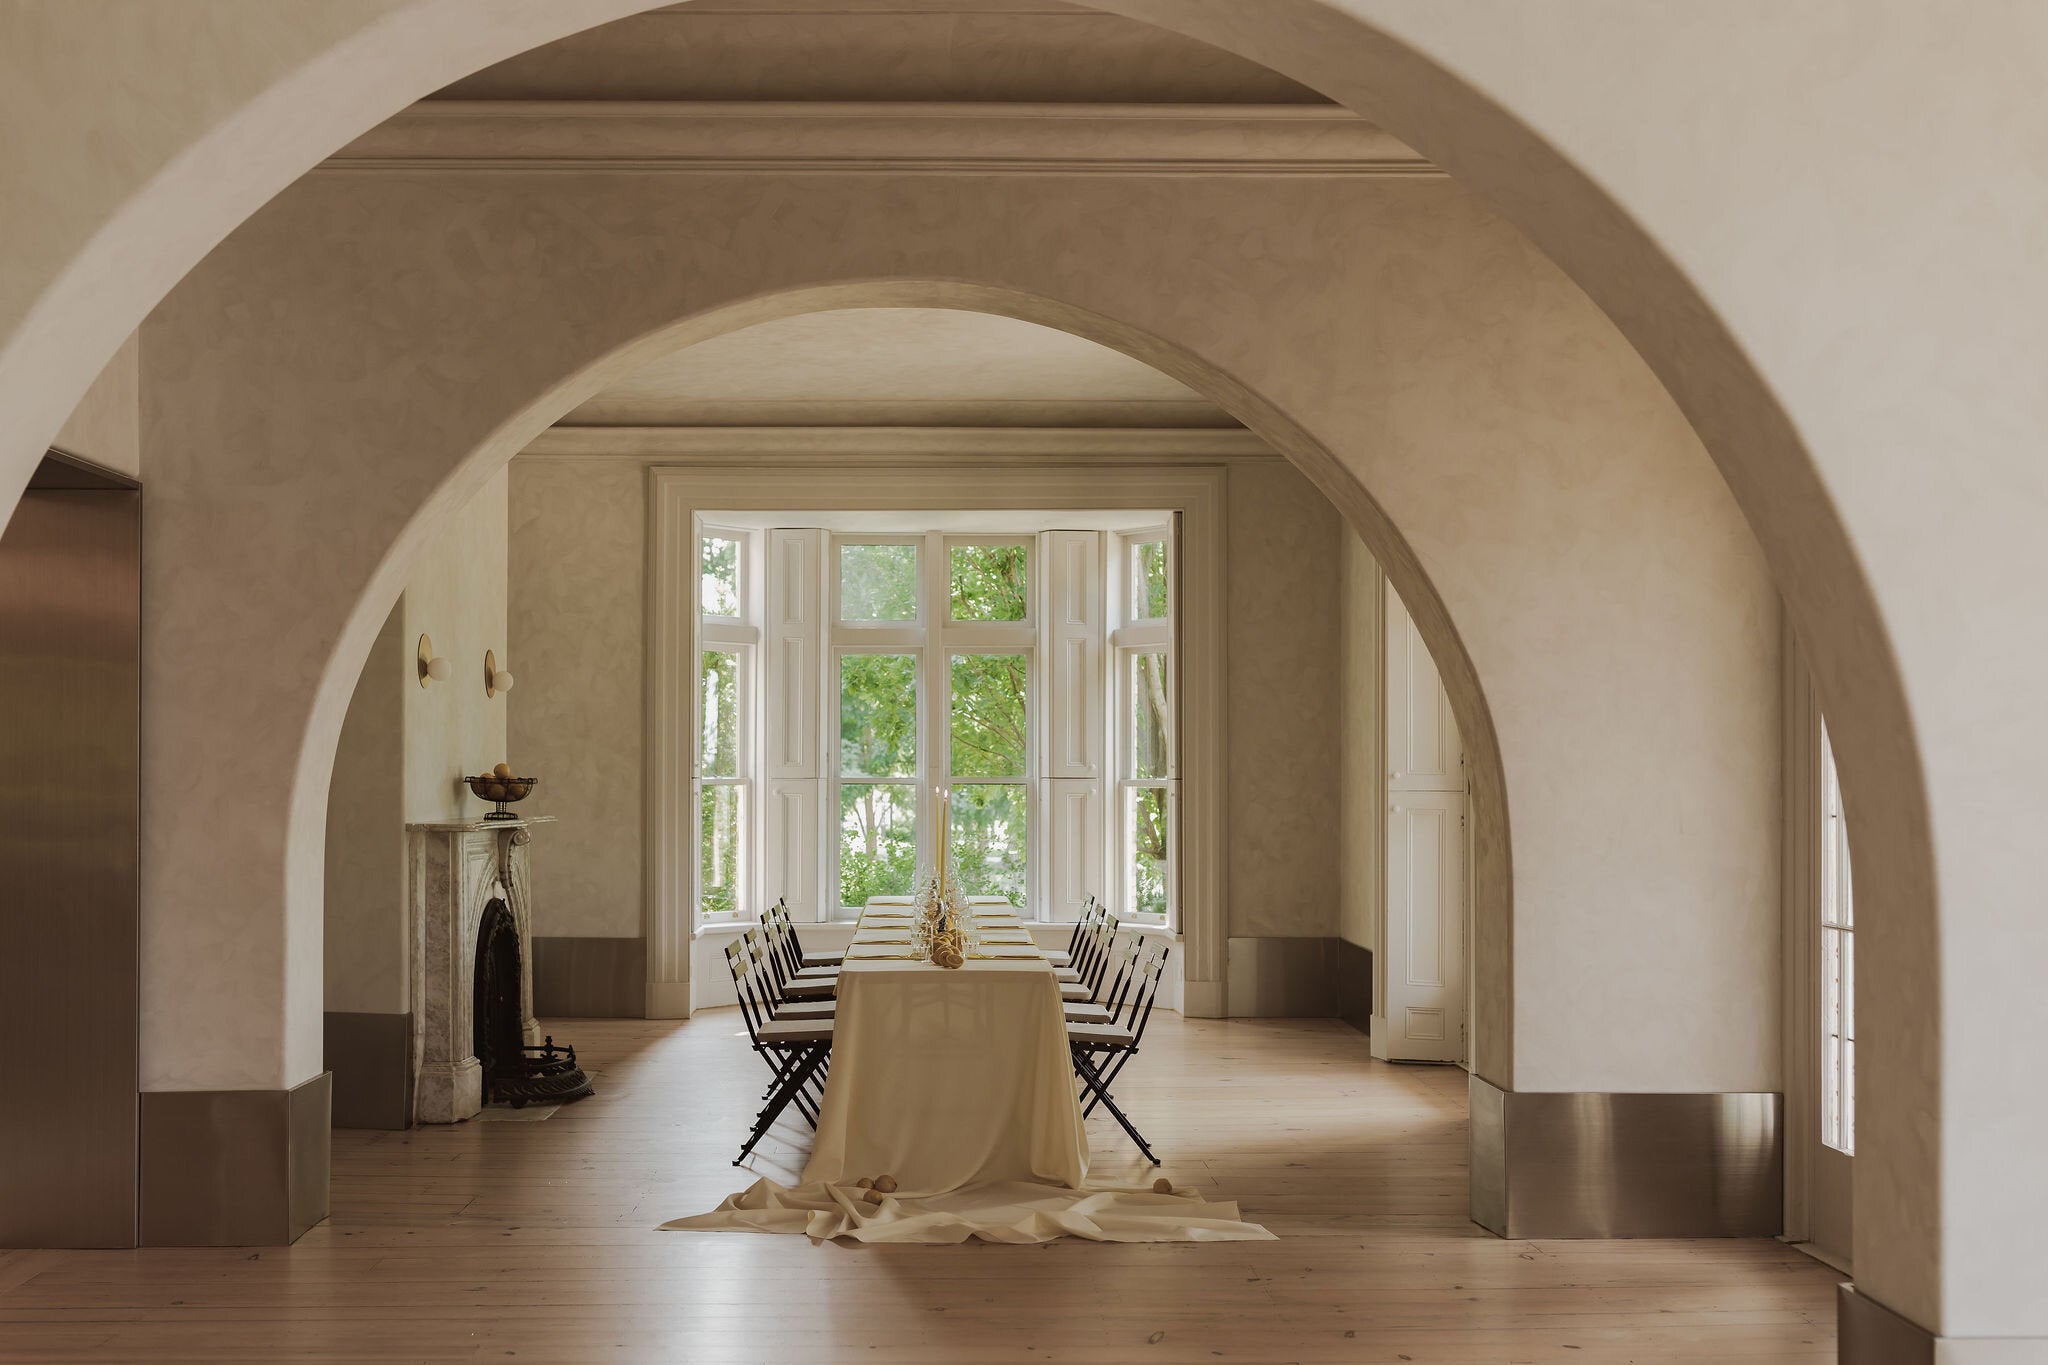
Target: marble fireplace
[455, 870]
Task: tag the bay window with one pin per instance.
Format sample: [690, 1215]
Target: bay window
[1005, 694]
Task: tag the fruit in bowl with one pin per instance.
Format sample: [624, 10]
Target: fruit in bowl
[502, 786]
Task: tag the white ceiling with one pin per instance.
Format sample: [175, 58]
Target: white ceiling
[898, 366]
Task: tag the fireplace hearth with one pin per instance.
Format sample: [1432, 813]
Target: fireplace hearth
[474, 1035]
[514, 1073]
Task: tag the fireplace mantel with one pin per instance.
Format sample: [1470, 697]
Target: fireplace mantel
[453, 869]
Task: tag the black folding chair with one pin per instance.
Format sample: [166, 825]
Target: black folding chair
[792, 980]
[1097, 947]
[1101, 1051]
[799, 960]
[1065, 957]
[796, 1050]
[1105, 1011]
[769, 980]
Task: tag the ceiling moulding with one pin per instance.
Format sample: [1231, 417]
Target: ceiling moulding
[894, 139]
[899, 444]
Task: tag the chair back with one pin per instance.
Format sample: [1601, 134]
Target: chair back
[1126, 974]
[1089, 908]
[739, 960]
[1105, 944]
[783, 943]
[1147, 993]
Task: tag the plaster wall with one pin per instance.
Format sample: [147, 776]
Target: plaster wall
[457, 596]
[365, 958]
[1362, 780]
[403, 745]
[106, 426]
[578, 717]
[1284, 711]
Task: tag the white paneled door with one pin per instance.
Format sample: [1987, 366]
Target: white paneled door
[1420, 1013]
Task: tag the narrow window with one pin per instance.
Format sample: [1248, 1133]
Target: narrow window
[1838, 966]
[878, 776]
[989, 821]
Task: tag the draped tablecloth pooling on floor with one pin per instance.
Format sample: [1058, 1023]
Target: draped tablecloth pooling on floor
[959, 1084]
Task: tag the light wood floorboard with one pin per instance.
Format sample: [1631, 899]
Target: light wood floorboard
[538, 1241]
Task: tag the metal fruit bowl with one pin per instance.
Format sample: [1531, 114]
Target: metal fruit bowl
[503, 790]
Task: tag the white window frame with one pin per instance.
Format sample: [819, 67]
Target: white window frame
[977, 486]
[932, 640]
[1131, 636]
[739, 636]
[1837, 942]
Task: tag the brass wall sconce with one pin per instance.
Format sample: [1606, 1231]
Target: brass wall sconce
[432, 667]
[495, 680]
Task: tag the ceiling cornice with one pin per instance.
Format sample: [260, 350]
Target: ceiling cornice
[906, 445]
[876, 138]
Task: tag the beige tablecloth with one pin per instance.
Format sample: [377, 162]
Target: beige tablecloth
[946, 1079]
[959, 1084]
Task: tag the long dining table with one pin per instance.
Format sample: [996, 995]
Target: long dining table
[949, 1077]
[959, 1084]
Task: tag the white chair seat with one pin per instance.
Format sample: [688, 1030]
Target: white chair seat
[1084, 1013]
[1100, 1035]
[797, 1031]
[801, 1010]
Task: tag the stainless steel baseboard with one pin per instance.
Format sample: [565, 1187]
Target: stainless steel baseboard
[1626, 1165]
[235, 1167]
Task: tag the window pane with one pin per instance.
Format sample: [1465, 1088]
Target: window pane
[877, 841]
[878, 582]
[718, 736]
[986, 840]
[988, 715]
[878, 715]
[1145, 845]
[1149, 716]
[721, 828]
[990, 582]
[719, 562]
[1148, 580]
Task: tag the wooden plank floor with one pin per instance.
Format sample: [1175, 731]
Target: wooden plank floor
[537, 1241]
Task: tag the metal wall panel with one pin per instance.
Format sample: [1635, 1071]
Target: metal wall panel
[1589, 1164]
[70, 669]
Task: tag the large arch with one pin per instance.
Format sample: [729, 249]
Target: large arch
[1493, 889]
[1713, 320]
[1544, 486]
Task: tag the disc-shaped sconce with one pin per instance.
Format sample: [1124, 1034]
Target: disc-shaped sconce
[431, 668]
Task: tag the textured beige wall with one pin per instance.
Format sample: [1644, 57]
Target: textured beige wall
[402, 746]
[366, 955]
[106, 426]
[457, 596]
[111, 109]
[1362, 781]
[578, 719]
[1283, 709]
[579, 620]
